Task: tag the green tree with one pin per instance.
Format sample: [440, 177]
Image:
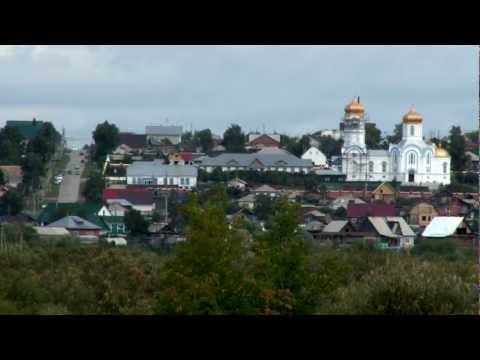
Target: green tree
[106, 140]
[263, 207]
[208, 273]
[234, 139]
[94, 187]
[33, 167]
[373, 136]
[11, 203]
[396, 137]
[204, 140]
[136, 223]
[285, 280]
[2, 178]
[11, 146]
[299, 147]
[329, 146]
[456, 147]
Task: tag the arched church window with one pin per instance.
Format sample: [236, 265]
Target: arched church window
[411, 159]
[384, 167]
[412, 130]
[428, 158]
[370, 166]
[445, 167]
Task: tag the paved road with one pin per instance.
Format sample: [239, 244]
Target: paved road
[70, 187]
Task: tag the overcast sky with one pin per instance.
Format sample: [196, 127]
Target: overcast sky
[290, 89]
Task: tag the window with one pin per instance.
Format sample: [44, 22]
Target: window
[164, 181]
[370, 166]
[412, 130]
[182, 181]
[384, 167]
[424, 218]
[187, 181]
[411, 159]
[445, 167]
[170, 181]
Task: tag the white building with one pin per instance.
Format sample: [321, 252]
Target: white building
[157, 173]
[333, 133]
[157, 134]
[316, 156]
[411, 161]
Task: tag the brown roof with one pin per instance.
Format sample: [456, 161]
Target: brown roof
[135, 141]
[361, 210]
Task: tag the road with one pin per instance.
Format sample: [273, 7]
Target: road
[70, 187]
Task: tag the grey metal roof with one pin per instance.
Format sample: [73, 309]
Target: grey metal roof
[74, 222]
[314, 226]
[163, 130]
[335, 226]
[328, 172]
[157, 169]
[267, 159]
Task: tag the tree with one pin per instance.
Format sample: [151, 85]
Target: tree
[263, 207]
[33, 168]
[11, 203]
[204, 140]
[106, 140]
[456, 147]
[397, 135]
[2, 178]
[136, 223]
[208, 273]
[11, 148]
[283, 275]
[94, 187]
[373, 136]
[298, 148]
[329, 146]
[234, 139]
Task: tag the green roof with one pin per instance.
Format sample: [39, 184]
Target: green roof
[47, 215]
[27, 128]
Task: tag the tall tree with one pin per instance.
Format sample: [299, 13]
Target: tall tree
[33, 167]
[373, 136]
[329, 146]
[11, 203]
[204, 140]
[456, 147]
[397, 135]
[234, 139]
[136, 223]
[106, 140]
[299, 147]
[94, 187]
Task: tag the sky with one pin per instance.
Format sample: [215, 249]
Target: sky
[288, 89]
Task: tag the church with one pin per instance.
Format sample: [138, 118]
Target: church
[412, 161]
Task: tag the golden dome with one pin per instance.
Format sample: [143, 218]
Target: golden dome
[412, 117]
[355, 107]
[441, 152]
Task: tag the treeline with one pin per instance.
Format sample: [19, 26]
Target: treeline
[307, 181]
[233, 269]
[33, 156]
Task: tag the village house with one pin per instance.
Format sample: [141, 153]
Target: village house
[158, 134]
[344, 201]
[51, 233]
[421, 214]
[453, 227]
[126, 199]
[156, 173]
[237, 183]
[260, 141]
[338, 232]
[266, 190]
[264, 160]
[384, 192]
[133, 142]
[247, 201]
[77, 226]
[27, 128]
[181, 158]
[390, 232]
[317, 157]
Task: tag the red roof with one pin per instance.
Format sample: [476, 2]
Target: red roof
[361, 210]
[112, 193]
[186, 156]
[265, 140]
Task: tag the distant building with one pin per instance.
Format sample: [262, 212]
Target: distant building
[384, 192]
[388, 231]
[157, 134]
[411, 161]
[316, 156]
[156, 173]
[448, 226]
[77, 226]
[422, 214]
[333, 133]
[264, 140]
[264, 160]
[132, 140]
[357, 211]
[237, 183]
[27, 128]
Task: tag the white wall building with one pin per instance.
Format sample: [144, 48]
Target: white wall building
[411, 161]
[316, 156]
[157, 173]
